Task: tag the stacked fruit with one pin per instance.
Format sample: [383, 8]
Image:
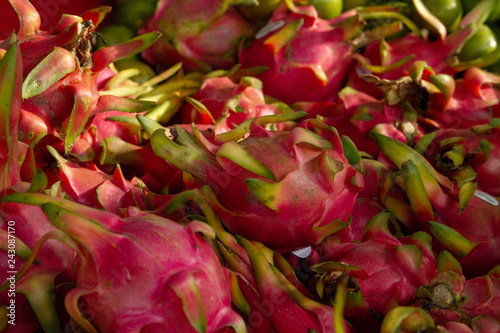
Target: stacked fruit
[252, 166]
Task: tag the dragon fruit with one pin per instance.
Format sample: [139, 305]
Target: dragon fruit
[384, 271]
[462, 153]
[356, 114]
[473, 101]
[59, 90]
[303, 51]
[176, 273]
[204, 35]
[265, 288]
[53, 262]
[251, 179]
[451, 211]
[227, 104]
[451, 297]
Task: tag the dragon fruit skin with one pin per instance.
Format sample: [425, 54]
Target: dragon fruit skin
[438, 200]
[250, 197]
[228, 103]
[305, 51]
[387, 270]
[472, 140]
[60, 76]
[474, 101]
[204, 35]
[54, 264]
[356, 114]
[288, 309]
[436, 54]
[175, 280]
[450, 297]
[270, 296]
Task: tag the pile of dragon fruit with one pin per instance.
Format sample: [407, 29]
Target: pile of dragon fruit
[251, 166]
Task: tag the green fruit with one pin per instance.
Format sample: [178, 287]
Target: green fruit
[327, 9]
[494, 15]
[261, 11]
[134, 13]
[481, 43]
[350, 4]
[114, 34]
[449, 12]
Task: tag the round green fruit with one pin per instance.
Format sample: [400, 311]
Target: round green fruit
[350, 4]
[481, 43]
[114, 34]
[327, 9]
[261, 11]
[134, 13]
[449, 12]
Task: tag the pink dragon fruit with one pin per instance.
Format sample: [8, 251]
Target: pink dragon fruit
[204, 35]
[459, 152]
[158, 175]
[450, 297]
[410, 319]
[142, 273]
[474, 100]
[462, 219]
[25, 225]
[356, 114]
[227, 104]
[264, 286]
[53, 263]
[59, 90]
[251, 179]
[384, 271]
[391, 59]
[302, 50]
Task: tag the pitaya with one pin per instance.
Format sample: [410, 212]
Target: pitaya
[474, 100]
[409, 319]
[253, 180]
[450, 210]
[308, 58]
[204, 35]
[227, 104]
[390, 59]
[385, 271]
[53, 261]
[450, 297]
[142, 273]
[356, 114]
[464, 153]
[265, 288]
[59, 89]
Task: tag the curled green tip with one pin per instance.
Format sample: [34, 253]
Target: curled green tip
[451, 239]
[148, 124]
